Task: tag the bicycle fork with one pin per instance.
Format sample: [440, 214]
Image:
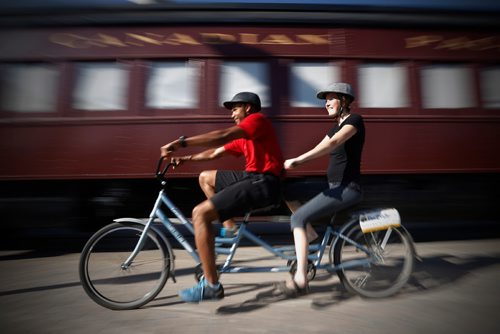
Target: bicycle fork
[142, 239]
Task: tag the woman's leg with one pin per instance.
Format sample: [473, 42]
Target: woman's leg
[310, 232]
[324, 204]
[301, 249]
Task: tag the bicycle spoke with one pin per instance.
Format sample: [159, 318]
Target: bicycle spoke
[388, 254]
[361, 281]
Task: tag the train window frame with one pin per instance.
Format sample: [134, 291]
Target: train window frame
[484, 90]
[335, 75]
[409, 110]
[267, 100]
[70, 111]
[26, 114]
[476, 109]
[145, 67]
[398, 78]
[408, 68]
[286, 75]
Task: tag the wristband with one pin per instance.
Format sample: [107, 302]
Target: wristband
[182, 141]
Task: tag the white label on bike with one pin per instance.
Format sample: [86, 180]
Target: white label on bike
[379, 220]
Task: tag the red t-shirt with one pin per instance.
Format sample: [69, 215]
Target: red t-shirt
[260, 146]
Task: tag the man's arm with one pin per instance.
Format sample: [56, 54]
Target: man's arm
[210, 139]
[210, 154]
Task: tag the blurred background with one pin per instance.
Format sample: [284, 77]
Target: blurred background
[90, 90]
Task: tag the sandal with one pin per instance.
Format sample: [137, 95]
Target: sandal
[294, 292]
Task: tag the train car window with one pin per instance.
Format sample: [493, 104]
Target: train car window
[245, 76]
[447, 86]
[383, 86]
[306, 79]
[100, 86]
[172, 85]
[28, 88]
[490, 87]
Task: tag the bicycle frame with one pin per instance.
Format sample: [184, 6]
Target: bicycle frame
[364, 250]
[228, 246]
[157, 212]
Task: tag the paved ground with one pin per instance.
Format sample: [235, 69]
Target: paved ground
[454, 290]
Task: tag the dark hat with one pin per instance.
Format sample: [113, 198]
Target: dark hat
[244, 97]
[339, 88]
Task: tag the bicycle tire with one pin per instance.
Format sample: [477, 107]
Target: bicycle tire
[107, 283]
[381, 274]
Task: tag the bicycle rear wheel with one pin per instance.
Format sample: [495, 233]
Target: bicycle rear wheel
[104, 277]
[380, 267]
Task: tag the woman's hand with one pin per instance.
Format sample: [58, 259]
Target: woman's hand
[291, 164]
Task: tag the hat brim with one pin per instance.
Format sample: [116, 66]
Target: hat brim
[322, 95]
[229, 104]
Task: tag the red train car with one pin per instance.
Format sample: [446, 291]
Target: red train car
[92, 96]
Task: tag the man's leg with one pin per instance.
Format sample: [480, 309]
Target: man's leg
[203, 215]
[209, 288]
[207, 184]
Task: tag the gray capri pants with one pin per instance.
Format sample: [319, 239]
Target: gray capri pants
[321, 199]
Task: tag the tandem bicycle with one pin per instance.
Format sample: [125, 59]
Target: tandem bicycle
[126, 264]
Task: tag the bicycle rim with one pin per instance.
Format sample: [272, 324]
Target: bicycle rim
[102, 273]
[381, 269]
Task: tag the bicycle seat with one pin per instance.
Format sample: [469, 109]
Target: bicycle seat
[263, 209]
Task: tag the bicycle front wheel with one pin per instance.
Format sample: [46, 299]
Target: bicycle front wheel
[376, 264]
[108, 281]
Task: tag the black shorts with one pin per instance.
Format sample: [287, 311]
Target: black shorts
[238, 192]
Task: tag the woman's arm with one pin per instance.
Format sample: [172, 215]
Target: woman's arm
[324, 147]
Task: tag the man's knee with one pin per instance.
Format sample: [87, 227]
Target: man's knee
[207, 177]
[204, 212]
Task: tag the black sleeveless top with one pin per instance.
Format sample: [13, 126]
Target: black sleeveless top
[345, 160]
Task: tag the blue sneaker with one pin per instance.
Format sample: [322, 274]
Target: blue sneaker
[228, 232]
[201, 292]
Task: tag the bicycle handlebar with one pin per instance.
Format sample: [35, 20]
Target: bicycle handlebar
[160, 172]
